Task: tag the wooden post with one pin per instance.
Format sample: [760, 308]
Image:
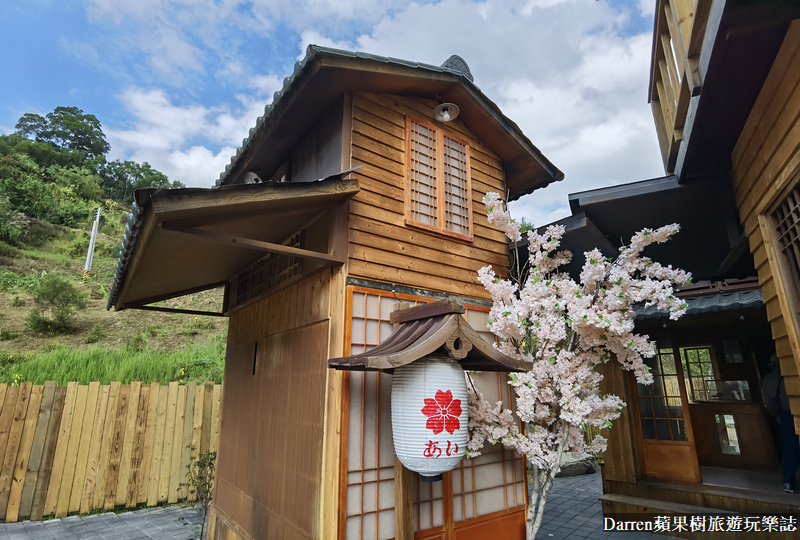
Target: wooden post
[403, 487]
[403, 502]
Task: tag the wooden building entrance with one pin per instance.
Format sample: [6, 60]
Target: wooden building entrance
[663, 423]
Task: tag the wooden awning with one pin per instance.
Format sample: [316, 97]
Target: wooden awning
[181, 241]
[423, 330]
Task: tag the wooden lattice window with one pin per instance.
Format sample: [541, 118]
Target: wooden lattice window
[493, 482]
[438, 194]
[786, 218]
[268, 272]
[660, 407]
[698, 368]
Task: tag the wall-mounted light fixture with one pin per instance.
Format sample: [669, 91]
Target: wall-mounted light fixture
[445, 112]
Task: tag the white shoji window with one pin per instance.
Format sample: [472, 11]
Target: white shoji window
[481, 486]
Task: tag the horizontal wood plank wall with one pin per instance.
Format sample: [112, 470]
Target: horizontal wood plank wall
[382, 247]
[74, 449]
[270, 459]
[765, 160]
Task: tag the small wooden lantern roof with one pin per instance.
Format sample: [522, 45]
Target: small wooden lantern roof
[426, 329]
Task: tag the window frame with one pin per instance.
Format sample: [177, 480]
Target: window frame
[441, 205]
[784, 276]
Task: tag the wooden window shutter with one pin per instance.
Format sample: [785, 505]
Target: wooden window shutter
[422, 169]
[457, 199]
[438, 190]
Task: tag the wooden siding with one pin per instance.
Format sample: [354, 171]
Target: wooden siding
[382, 246]
[87, 448]
[765, 160]
[271, 445]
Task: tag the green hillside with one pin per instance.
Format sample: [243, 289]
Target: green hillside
[53, 176]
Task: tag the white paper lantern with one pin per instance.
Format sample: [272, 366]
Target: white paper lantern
[429, 415]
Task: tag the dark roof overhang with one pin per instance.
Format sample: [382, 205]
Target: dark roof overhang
[325, 74]
[428, 329]
[710, 245]
[180, 241]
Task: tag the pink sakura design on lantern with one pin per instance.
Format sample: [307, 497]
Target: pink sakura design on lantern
[442, 412]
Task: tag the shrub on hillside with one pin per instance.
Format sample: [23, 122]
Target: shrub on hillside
[56, 300]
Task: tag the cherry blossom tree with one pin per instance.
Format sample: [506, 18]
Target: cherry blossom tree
[565, 330]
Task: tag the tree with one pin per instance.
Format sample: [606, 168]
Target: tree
[565, 329]
[121, 178]
[68, 128]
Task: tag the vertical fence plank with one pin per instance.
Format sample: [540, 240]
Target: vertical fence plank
[61, 449]
[149, 437]
[7, 416]
[197, 427]
[208, 406]
[37, 448]
[68, 475]
[21, 461]
[20, 409]
[3, 389]
[138, 449]
[215, 414]
[186, 440]
[99, 499]
[177, 451]
[93, 457]
[71, 449]
[127, 446]
[117, 440]
[90, 411]
[158, 447]
[45, 472]
[169, 439]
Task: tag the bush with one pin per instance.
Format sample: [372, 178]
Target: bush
[56, 300]
[9, 281]
[96, 334]
[7, 335]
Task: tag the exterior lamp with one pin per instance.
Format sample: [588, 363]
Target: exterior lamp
[430, 348]
[445, 112]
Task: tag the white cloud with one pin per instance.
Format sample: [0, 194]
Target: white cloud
[313, 37]
[647, 8]
[568, 72]
[165, 134]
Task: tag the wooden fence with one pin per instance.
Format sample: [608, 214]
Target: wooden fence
[80, 448]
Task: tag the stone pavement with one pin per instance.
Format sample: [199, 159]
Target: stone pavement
[173, 523]
[573, 511]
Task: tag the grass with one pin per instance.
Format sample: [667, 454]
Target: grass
[199, 362]
[131, 345]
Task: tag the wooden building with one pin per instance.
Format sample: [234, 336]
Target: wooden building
[312, 270]
[725, 94]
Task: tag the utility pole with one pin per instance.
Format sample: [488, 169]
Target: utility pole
[87, 269]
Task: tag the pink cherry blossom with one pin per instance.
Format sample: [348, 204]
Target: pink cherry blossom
[564, 329]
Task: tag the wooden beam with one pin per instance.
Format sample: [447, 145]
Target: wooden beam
[159, 298]
[176, 310]
[701, 13]
[248, 243]
[689, 68]
[403, 502]
[403, 478]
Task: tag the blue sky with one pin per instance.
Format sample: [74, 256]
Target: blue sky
[178, 83]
